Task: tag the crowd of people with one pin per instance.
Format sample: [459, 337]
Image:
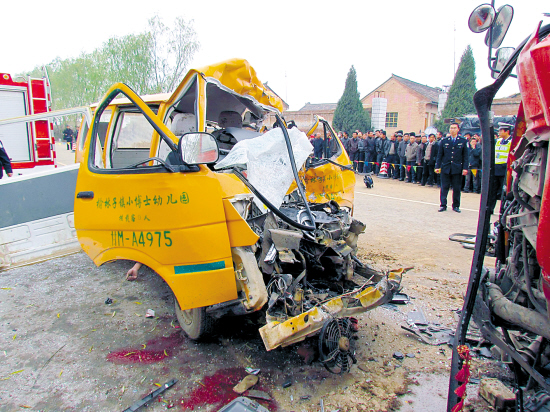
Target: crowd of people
[453, 160]
[410, 158]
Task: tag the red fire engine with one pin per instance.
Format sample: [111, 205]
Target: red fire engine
[29, 145]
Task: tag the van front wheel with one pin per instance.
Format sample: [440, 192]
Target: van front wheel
[194, 322]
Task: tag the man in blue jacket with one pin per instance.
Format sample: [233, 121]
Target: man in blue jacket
[452, 164]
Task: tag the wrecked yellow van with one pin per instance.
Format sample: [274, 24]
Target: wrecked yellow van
[234, 217]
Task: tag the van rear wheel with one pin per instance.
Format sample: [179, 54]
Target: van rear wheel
[194, 322]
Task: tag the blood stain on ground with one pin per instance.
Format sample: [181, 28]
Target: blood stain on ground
[217, 390]
[154, 351]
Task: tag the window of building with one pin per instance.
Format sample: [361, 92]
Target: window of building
[391, 119]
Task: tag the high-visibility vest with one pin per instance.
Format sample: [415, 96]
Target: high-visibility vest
[502, 150]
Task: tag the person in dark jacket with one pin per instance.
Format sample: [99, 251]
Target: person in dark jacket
[68, 136]
[420, 151]
[353, 149]
[410, 156]
[392, 158]
[318, 145]
[430, 156]
[452, 164]
[474, 167]
[380, 149]
[402, 159]
[345, 141]
[333, 145]
[5, 163]
[370, 152]
[361, 152]
[437, 176]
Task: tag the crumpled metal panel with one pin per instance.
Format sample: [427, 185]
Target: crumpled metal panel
[297, 328]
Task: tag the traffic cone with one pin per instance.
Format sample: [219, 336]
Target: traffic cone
[383, 170]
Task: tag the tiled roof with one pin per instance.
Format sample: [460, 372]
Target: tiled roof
[318, 107]
[430, 93]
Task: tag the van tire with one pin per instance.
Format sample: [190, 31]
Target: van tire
[195, 323]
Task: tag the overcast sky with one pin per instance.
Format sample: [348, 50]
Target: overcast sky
[304, 49]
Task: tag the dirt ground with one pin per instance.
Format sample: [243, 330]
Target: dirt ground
[63, 348]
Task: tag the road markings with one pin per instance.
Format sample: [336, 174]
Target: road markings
[412, 201]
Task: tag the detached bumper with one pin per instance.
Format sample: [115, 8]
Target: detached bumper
[363, 299]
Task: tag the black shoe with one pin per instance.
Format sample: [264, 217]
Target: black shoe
[442, 209]
[466, 191]
[401, 180]
[423, 184]
[456, 209]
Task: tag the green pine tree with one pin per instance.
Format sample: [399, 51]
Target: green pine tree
[460, 101]
[349, 114]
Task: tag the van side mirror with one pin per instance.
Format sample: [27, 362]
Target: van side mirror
[198, 148]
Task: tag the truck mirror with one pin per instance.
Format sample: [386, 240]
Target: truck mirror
[481, 18]
[500, 26]
[502, 57]
[198, 148]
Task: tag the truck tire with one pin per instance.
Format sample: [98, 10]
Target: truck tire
[195, 323]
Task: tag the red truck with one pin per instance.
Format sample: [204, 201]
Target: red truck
[510, 302]
[30, 146]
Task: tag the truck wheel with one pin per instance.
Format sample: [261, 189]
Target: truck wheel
[194, 322]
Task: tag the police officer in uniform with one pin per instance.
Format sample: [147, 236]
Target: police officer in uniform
[452, 164]
[502, 149]
[5, 163]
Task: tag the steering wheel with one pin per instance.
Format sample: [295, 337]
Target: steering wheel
[158, 159]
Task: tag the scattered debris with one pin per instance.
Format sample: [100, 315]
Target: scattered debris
[243, 404]
[288, 382]
[485, 352]
[400, 298]
[258, 395]
[108, 301]
[150, 313]
[252, 371]
[151, 396]
[322, 403]
[497, 394]
[410, 355]
[305, 397]
[432, 334]
[248, 382]
[398, 355]
[417, 317]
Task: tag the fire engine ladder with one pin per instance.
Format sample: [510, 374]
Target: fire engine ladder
[47, 98]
